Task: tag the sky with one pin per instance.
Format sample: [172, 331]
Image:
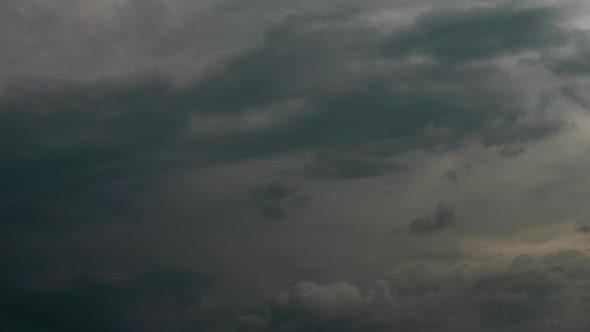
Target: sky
[294, 166]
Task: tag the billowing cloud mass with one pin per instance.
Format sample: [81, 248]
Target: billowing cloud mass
[294, 166]
[538, 293]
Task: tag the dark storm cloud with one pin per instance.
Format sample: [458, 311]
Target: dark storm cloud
[575, 63]
[62, 141]
[576, 94]
[473, 34]
[442, 218]
[74, 154]
[151, 300]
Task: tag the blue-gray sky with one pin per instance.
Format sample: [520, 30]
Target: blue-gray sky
[294, 166]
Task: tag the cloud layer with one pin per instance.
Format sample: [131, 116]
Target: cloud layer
[220, 165]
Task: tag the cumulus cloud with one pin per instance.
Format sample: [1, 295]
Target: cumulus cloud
[463, 295]
[323, 302]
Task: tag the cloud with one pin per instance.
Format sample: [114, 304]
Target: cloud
[512, 299]
[511, 151]
[338, 166]
[442, 218]
[383, 99]
[480, 33]
[461, 295]
[276, 197]
[251, 323]
[459, 173]
[302, 87]
[311, 306]
[573, 63]
[327, 302]
[122, 151]
[111, 302]
[583, 225]
[380, 292]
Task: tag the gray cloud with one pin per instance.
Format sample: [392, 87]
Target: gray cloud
[141, 129]
[442, 218]
[338, 301]
[583, 225]
[109, 131]
[575, 65]
[511, 151]
[337, 166]
[514, 298]
[251, 323]
[459, 173]
[480, 33]
[94, 303]
[575, 62]
[275, 197]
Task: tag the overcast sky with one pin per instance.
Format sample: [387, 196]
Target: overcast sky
[294, 166]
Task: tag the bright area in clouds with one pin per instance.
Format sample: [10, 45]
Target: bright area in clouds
[294, 165]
